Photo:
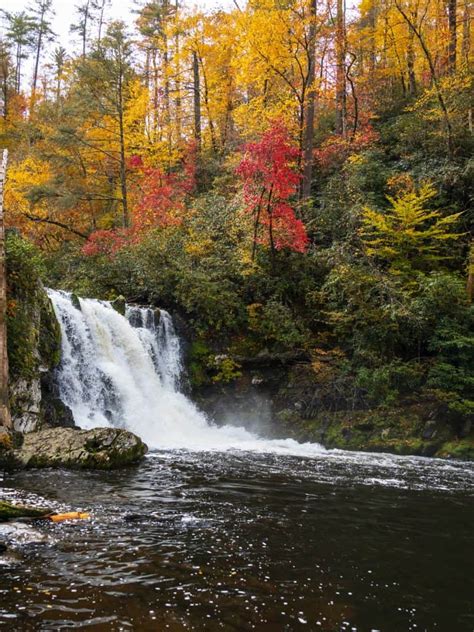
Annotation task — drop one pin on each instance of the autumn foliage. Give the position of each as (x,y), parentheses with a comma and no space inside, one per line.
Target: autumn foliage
(270,180)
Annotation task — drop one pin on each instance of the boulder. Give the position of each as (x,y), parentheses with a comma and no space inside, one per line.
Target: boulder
(100,448)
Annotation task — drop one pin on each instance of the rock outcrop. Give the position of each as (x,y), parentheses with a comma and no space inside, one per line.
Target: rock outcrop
(100,448)
(34,339)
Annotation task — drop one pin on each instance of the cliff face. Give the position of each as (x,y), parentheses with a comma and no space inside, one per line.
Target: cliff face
(34,342)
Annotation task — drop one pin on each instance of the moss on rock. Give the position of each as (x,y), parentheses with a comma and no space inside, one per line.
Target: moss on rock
(9,511)
(462,449)
(101,448)
(34,335)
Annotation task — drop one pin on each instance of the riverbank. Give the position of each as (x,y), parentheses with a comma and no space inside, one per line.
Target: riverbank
(300,401)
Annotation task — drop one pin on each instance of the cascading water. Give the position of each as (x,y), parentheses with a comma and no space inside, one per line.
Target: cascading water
(125,372)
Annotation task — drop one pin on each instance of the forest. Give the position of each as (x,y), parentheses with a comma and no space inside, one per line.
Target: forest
(293,178)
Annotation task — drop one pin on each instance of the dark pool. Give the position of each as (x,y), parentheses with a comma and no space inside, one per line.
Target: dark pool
(242,541)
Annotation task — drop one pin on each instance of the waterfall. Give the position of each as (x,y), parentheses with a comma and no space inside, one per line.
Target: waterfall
(126,372)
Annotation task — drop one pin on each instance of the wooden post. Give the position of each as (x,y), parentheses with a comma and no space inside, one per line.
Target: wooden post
(5,419)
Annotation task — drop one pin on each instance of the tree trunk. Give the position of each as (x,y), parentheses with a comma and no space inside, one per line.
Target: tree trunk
(101,23)
(39,46)
(84,32)
(197,102)
(308,132)
(466,33)
(411,62)
(123,165)
(177,82)
(5,419)
(340,69)
(452,45)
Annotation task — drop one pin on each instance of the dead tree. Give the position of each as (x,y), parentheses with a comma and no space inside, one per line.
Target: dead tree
(5,419)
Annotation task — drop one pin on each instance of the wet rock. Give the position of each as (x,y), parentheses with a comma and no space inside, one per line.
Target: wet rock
(7,458)
(100,448)
(429,430)
(18,533)
(75,301)
(54,410)
(119,304)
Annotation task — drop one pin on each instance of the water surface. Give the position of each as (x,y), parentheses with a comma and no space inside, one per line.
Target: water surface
(249,541)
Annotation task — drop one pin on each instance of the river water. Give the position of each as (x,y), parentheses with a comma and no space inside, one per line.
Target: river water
(248,541)
(220,529)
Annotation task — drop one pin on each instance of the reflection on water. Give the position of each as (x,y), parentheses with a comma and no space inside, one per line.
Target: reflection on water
(238,541)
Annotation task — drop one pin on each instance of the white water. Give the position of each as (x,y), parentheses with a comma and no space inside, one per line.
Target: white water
(126,371)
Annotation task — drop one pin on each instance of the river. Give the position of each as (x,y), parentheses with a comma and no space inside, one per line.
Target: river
(248,541)
(220,529)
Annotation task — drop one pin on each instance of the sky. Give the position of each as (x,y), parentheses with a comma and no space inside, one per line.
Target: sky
(120,9)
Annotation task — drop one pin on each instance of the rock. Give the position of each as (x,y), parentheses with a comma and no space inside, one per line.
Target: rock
(429,430)
(119,304)
(25,399)
(54,411)
(465,429)
(7,458)
(100,448)
(75,301)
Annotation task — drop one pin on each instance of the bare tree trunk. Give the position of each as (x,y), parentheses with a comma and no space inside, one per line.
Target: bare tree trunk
(466,33)
(411,62)
(43,29)
(123,164)
(101,22)
(177,82)
(197,102)
(308,132)
(5,419)
(84,32)
(453,35)
(340,69)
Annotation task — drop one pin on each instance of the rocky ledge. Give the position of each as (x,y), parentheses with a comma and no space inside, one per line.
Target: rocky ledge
(98,449)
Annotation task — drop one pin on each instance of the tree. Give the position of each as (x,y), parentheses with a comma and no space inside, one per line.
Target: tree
(107,77)
(409,236)
(42,33)
(340,45)
(84,12)
(269,180)
(60,58)
(19,31)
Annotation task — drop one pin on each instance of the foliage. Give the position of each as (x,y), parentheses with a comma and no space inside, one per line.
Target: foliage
(269,180)
(409,236)
(281,182)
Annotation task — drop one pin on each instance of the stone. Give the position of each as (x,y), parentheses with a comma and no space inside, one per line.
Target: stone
(429,430)
(54,411)
(465,429)
(119,304)
(75,301)
(100,448)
